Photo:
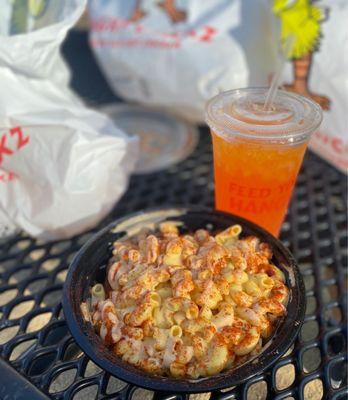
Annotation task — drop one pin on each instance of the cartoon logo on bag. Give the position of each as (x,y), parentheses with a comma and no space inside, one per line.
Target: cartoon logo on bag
(169,7)
(37,7)
(301,24)
(146,36)
(22,11)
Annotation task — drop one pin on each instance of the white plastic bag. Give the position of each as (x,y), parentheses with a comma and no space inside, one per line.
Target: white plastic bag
(62,166)
(177,54)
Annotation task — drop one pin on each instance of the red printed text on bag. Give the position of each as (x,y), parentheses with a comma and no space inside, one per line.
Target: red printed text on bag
(11,142)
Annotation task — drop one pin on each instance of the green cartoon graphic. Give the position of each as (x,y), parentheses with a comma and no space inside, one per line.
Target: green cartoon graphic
(301,23)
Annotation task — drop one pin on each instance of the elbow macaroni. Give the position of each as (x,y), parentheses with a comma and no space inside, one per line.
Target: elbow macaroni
(188,306)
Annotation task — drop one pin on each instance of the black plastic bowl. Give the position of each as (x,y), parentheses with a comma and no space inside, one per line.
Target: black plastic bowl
(89,267)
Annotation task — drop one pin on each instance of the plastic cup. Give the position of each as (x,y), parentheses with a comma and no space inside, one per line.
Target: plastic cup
(258,153)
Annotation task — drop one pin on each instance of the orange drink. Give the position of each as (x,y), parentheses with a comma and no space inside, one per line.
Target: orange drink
(258,153)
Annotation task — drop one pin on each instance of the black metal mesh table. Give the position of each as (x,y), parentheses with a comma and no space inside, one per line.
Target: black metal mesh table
(39,358)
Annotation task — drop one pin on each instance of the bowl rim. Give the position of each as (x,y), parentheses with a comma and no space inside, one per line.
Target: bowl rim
(137,377)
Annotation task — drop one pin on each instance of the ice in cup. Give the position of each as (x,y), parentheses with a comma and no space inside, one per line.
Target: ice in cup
(258,153)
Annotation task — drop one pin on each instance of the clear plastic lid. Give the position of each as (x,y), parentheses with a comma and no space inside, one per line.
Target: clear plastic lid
(241,112)
(164,139)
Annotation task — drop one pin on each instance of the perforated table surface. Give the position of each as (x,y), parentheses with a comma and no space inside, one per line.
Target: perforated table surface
(39,359)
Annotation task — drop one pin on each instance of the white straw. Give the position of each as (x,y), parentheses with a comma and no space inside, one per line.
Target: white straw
(272,91)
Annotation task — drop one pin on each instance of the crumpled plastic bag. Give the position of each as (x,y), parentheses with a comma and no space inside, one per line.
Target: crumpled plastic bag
(177,54)
(62,166)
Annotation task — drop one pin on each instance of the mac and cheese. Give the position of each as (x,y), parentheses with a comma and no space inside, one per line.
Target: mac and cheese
(188,305)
